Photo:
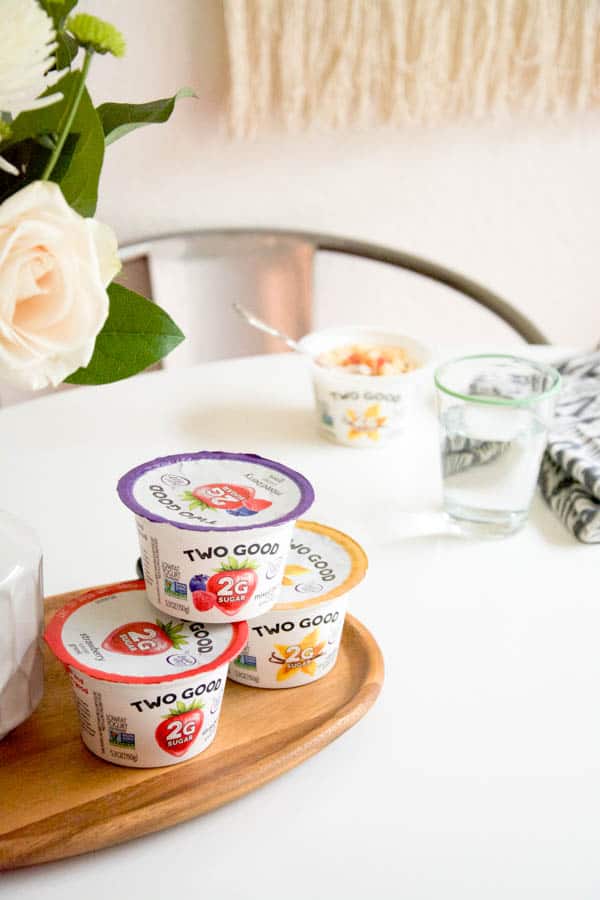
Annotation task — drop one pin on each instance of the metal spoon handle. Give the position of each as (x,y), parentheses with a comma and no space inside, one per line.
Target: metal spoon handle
(253,320)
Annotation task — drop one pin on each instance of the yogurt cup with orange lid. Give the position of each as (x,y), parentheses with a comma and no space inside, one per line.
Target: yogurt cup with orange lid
(297,641)
(214,529)
(148,688)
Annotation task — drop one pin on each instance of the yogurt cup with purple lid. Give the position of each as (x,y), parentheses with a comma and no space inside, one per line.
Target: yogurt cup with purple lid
(148,688)
(214,531)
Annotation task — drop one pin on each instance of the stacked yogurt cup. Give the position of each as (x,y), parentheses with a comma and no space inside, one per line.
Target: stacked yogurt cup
(234,583)
(214,531)
(297,640)
(148,689)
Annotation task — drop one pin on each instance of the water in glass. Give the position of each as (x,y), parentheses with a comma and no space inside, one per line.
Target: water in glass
(490,462)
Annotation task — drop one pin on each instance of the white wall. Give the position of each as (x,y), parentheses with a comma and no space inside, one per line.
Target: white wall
(515,207)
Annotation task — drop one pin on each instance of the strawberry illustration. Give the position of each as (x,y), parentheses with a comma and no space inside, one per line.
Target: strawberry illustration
(255,504)
(235,499)
(180,728)
(145,638)
(234,584)
(223,496)
(201,598)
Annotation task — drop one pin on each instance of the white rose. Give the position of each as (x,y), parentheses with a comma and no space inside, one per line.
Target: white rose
(54,270)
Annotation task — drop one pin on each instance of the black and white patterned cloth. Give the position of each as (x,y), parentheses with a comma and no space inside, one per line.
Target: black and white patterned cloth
(570,472)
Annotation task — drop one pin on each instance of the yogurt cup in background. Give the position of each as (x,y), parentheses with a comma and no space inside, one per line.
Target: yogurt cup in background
(297,641)
(362,410)
(148,688)
(214,530)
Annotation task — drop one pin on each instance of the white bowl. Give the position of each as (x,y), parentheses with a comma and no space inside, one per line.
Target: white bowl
(22,614)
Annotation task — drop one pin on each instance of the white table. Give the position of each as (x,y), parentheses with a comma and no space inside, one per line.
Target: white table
(476,775)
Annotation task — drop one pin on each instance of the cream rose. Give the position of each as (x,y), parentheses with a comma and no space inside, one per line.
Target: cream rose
(54,270)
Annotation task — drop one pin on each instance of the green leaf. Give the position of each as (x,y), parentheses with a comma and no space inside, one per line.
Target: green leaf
(232,565)
(194,502)
(58,10)
(47,119)
(118,119)
(136,334)
(80,163)
(67,49)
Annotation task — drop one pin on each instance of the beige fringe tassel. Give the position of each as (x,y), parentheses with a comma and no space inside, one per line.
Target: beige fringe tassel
(340,63)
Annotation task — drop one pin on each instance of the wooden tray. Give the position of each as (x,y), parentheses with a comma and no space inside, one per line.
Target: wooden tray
(58,799)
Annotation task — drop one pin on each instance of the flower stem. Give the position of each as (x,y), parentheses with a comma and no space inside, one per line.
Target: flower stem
(70,117)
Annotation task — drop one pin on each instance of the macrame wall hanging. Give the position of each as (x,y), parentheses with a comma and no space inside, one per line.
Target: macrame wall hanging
(335,64)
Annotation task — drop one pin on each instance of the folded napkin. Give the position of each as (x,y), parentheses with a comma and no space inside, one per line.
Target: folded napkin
(570,472)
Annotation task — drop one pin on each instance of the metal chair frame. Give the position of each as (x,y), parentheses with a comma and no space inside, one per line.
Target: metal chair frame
(378,252)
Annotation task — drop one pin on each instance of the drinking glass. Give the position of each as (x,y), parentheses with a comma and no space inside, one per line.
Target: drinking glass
(494,413)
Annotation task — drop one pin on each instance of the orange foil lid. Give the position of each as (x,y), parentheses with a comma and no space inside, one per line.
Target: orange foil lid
(322,564)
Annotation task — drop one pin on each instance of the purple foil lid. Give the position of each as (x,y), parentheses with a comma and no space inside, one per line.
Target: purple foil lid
(127,483)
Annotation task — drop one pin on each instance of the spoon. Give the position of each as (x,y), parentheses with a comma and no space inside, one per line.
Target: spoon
(253,320)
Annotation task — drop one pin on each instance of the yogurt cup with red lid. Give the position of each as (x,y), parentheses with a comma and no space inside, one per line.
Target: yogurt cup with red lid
(148,688)
(214,529)
(297,641)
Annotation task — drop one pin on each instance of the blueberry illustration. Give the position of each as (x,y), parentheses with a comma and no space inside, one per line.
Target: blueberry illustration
(198,582)
(242,511)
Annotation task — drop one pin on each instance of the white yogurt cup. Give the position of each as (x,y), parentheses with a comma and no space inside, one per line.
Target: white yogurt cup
(297,641)
(362,410)
(200,562)
(148,690)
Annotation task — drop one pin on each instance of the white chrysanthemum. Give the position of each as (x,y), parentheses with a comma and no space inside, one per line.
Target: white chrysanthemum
(26,49)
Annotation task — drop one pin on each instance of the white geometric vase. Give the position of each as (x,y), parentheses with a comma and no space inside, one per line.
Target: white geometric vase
(22,616)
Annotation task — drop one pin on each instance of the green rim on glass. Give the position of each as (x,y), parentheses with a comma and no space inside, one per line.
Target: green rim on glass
(548,371)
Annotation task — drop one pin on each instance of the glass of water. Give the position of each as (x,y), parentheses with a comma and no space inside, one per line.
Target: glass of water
(494,414)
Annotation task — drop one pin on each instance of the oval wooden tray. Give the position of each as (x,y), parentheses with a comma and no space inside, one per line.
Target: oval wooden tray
(59,800)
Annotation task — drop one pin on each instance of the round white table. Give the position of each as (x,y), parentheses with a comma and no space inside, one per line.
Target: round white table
(476,774)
